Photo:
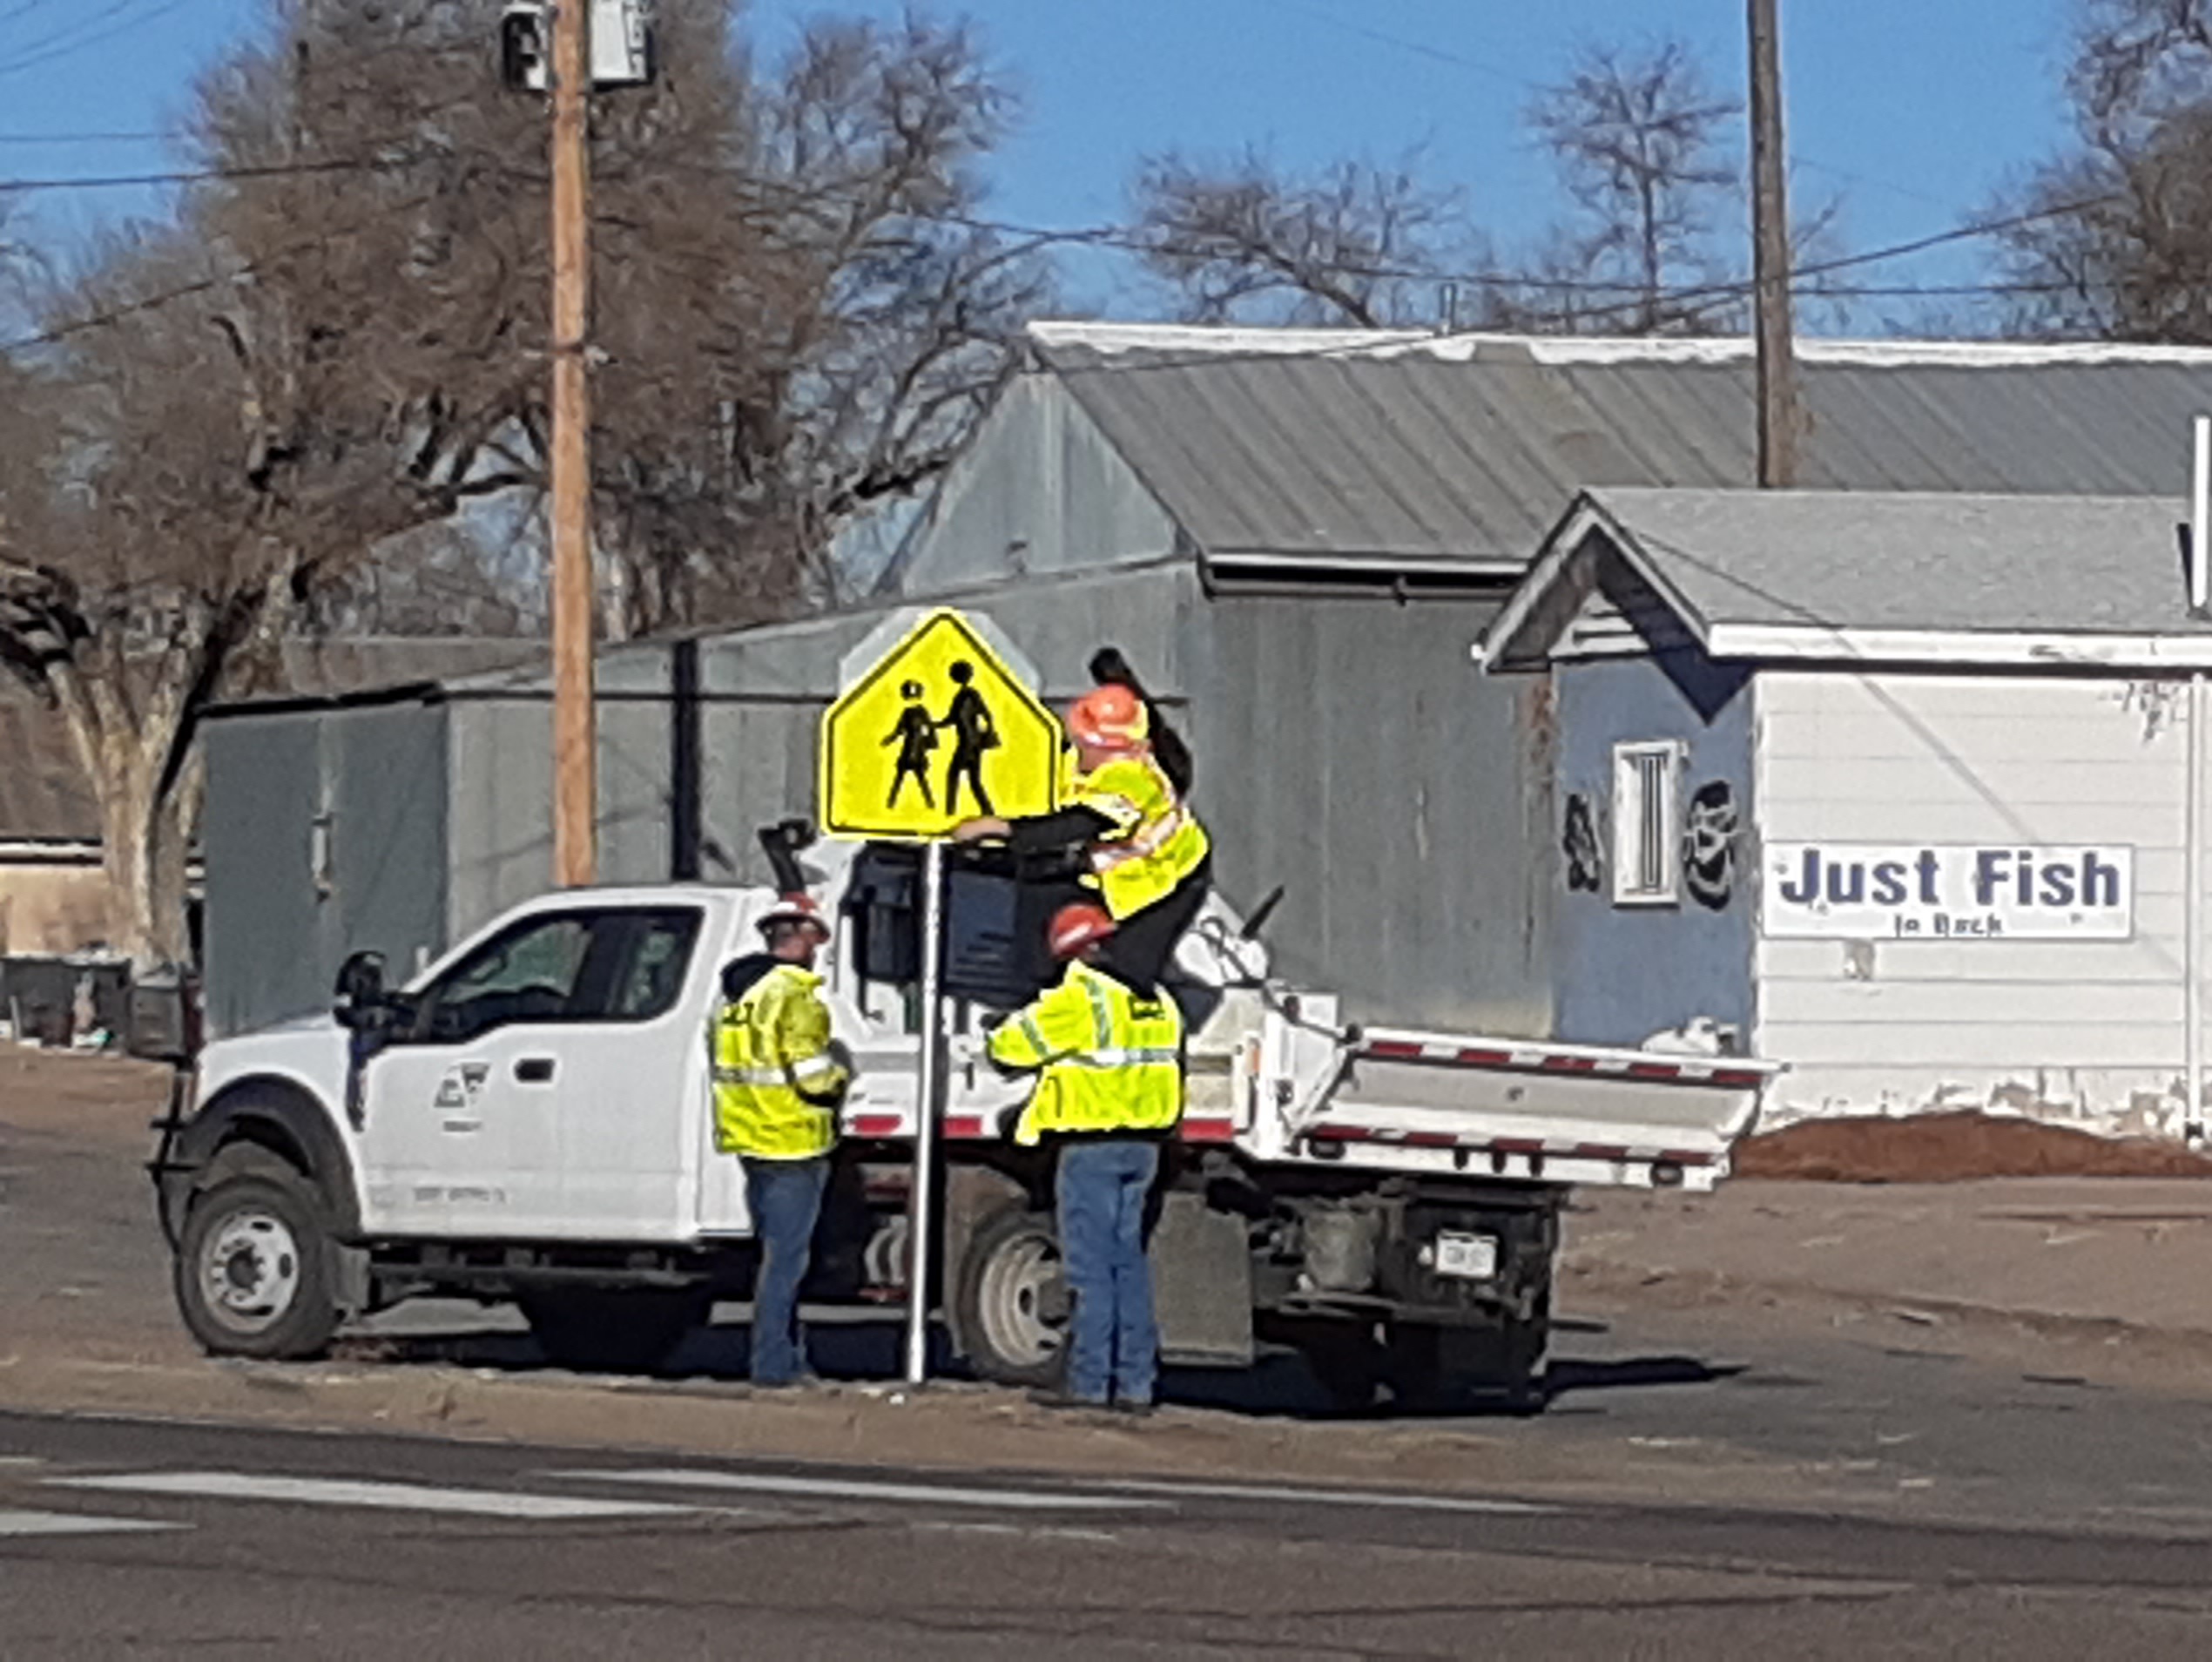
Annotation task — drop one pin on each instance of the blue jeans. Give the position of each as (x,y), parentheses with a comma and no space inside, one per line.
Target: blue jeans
(785,1200)
(1113,1344)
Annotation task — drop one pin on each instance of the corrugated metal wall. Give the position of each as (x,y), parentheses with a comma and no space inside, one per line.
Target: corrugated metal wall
(1349,749)
(277,928)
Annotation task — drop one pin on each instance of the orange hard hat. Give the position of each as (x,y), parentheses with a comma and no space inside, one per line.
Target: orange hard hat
(793,908)
(1076,927)
(1111,718)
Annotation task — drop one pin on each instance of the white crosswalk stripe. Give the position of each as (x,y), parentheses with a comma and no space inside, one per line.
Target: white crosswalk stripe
(1016,1500)
(412,1497)
(1383,1498)
(27,1524)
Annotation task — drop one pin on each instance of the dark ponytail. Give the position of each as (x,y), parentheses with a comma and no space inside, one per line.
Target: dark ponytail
(1110,668)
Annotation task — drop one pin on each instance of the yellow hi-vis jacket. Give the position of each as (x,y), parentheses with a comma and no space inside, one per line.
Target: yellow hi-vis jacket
(1156,842)
(1111,1059)
(777,1082)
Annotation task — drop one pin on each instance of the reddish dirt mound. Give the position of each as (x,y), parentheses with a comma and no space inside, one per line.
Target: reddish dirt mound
(1954,1148)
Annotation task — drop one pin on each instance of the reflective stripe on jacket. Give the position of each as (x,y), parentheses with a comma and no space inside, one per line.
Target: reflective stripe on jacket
(1156,842)
(777,1083)
(1110,1059)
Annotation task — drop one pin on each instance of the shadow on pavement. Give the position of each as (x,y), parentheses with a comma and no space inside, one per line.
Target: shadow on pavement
(1564,1378)
(868,1348)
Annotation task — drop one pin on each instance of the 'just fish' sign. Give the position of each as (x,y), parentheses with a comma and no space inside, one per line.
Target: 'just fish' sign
(1943,892)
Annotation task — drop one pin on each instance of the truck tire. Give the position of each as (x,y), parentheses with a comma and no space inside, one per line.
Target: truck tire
(255,1272)
(612,1330)
(1010,1310)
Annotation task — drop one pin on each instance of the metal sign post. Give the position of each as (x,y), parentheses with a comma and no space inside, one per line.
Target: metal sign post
(939,719)
(929,1089)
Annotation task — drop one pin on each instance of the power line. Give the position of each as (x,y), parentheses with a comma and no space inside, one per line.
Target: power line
(194,176)
(71,39)
(60,139)
(1681,301)
(111,315)
(1127,241)
(1442,54)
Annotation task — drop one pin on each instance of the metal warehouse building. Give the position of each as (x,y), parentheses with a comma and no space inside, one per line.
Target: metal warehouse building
(1295,537)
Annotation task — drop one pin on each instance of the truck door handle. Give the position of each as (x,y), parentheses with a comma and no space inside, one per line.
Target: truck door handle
(534,1070)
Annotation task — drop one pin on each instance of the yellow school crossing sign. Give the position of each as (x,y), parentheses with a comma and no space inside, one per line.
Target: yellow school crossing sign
(939,728)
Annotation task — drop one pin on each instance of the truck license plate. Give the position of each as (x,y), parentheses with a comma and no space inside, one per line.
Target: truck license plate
(1472,1258)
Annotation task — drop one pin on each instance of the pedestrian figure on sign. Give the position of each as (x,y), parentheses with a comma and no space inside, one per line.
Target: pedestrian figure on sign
(974,732)
(916,736)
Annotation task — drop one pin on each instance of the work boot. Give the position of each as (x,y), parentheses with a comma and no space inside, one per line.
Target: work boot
(795,1383)
(1056,1397)
(1135,1410)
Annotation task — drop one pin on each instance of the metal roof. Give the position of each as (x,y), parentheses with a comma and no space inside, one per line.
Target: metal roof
(1344,446)
(1902,577)
(44,796)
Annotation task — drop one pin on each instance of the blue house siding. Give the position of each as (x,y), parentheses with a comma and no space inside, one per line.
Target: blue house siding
(1624,972)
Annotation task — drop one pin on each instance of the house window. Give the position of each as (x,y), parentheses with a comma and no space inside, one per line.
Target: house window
(1647,821)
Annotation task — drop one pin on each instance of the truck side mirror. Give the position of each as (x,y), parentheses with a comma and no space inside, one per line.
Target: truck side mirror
(358,1000)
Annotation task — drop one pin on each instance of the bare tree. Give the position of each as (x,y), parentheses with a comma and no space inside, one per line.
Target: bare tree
(1639,137)
(341,342)
(2116,240)
(1359,244)
(840,355)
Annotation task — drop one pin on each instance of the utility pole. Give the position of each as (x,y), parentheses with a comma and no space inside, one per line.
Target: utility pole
(1778,364)
(574,761)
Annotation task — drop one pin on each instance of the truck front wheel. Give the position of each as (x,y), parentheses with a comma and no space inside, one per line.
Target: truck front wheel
(255,1271)
(1010,1307)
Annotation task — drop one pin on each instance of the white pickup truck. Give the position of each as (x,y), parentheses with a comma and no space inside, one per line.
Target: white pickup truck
(530,1119)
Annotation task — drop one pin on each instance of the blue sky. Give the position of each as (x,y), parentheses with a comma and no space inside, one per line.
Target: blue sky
(1916,111)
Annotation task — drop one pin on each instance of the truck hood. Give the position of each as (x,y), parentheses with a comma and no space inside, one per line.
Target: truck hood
(308,1050)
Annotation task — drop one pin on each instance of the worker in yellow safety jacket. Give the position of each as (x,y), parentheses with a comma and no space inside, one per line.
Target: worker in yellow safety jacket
(1108,1060)
(1148,857)
(778,1079)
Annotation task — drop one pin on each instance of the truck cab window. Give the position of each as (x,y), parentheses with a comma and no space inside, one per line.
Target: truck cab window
(653,961)
(528,973)
(583,966)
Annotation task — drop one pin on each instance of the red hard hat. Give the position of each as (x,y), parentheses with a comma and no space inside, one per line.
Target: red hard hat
(1112,718)
(793,908)
(1076,927)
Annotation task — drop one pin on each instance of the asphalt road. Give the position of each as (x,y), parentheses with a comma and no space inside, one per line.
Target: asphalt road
(134,1536)
(1893,1485)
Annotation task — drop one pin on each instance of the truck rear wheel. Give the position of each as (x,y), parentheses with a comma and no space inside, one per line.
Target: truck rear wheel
(612,1330)
(1009,1307)
(255,1270)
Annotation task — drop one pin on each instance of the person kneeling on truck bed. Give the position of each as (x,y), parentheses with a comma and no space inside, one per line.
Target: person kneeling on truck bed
(778,1079)
(1147,856)
(1110,1057)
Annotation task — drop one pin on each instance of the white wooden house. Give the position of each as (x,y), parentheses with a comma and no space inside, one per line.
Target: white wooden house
(1893,787)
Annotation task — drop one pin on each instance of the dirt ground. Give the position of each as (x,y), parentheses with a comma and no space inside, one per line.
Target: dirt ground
(1955,1148)
(87,1323)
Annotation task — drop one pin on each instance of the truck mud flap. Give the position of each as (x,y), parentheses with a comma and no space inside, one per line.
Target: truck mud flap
(1201,1285)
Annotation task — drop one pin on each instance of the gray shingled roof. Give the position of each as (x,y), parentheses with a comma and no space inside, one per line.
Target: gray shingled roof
(1935,577)
(1318,444)
(1958,562)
